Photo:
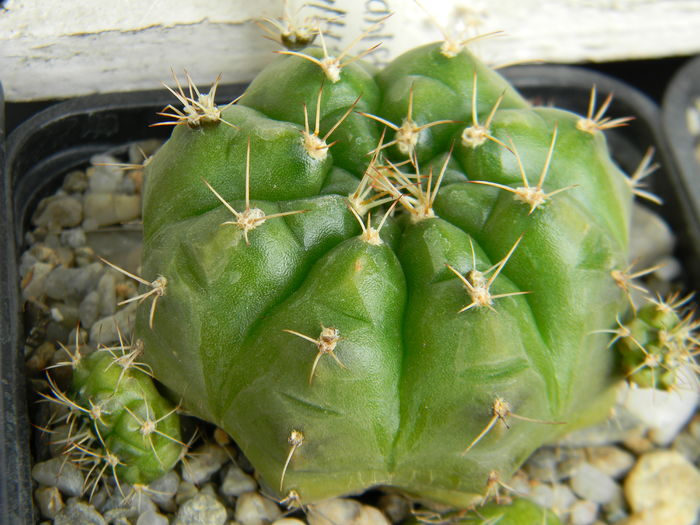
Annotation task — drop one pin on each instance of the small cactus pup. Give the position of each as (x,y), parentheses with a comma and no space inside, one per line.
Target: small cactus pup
(118,423)
(385,277)
(659,344)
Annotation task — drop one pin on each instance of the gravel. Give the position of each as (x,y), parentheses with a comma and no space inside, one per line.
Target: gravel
(59,473)
(202,509)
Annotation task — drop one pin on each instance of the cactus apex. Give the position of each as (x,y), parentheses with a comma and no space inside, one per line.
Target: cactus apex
(197,109)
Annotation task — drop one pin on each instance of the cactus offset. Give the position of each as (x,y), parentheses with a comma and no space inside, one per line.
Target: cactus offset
(119,423)
(432,347)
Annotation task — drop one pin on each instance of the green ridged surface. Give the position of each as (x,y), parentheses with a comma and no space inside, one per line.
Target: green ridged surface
(127,400)
(418,379)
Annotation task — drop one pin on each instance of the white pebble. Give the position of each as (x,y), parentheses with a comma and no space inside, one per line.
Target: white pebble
(105,332)
(651,238)
(204,462)
(253,509)
(104,178)
(59,211)
(151,518)
(665,412)
(34,289)
(162,490)
(346,511)
(203,509)
(59,473)
(611,460)
(106,209)
(49,501)
(583,513)
(237,482)
(590,483)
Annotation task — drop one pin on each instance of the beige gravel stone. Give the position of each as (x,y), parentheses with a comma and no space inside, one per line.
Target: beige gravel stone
(663,487)
(610,460)
(661,515)
(346,511)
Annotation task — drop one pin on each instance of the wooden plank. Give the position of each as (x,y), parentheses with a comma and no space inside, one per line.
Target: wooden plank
(72,47)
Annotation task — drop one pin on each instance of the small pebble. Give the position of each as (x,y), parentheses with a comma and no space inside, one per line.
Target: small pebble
(615,509)
(571,460)
(346,511)
(72,283)
(542,465)
(163,490)
(139,501)
(49,501)
(65,314)
(204,462)
(542,494)
(119,515)
(73,238)
(59,473)
(106,290)
(78,512)
(34,282)
(583,513)
(203,509)
(151,518)
(89,308)
(75,182)
(661,515)
(237,482)
(84,256)
(590,483)
(562,498)
(254,509)
(288,521)
(221,438)
(664,478)
(106,209)
(40,358)
(610,460)
(101,178)
(638,442)
(665,412)
(58,211)
(185,491)
(650,238)
(107,330)
(689,446)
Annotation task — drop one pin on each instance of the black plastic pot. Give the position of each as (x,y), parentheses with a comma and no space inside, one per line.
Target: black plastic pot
(681,100)
(65,136)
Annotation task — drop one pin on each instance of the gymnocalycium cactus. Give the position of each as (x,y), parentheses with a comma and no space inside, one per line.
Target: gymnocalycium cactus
(398,277)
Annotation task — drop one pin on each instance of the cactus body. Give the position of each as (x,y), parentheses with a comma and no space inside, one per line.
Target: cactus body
(120,423)
(445,350)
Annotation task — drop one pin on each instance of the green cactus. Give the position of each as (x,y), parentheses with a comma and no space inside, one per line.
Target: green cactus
(658,343)
(432,346)
(120,424)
